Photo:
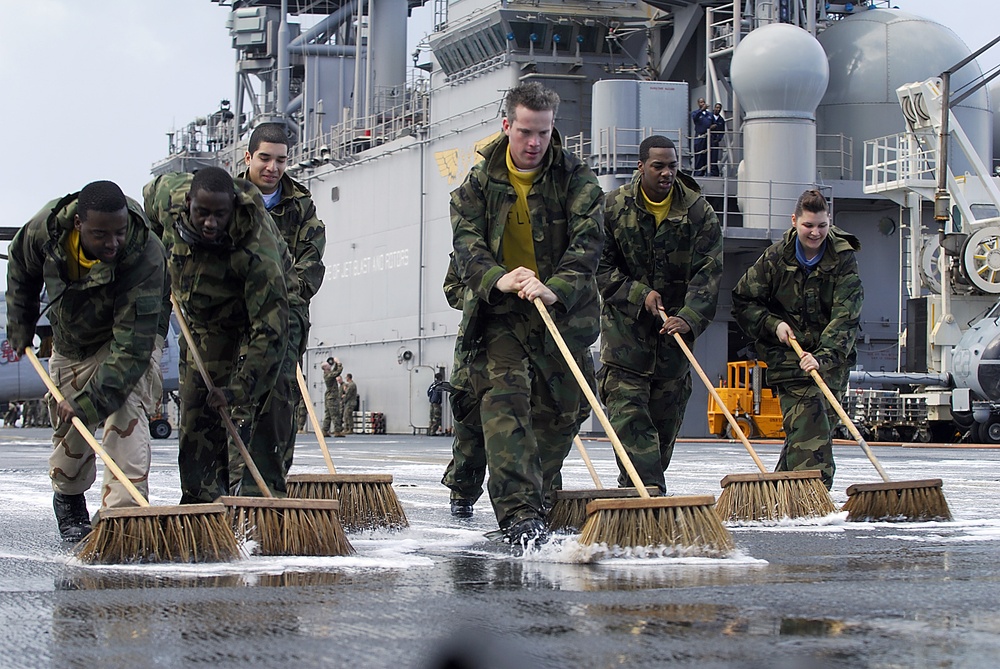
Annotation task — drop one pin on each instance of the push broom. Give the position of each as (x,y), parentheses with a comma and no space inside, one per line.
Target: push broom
(687,523)
(764,495)
(145,533)
(918,500)
(569,508)
(367,501)
(279,526)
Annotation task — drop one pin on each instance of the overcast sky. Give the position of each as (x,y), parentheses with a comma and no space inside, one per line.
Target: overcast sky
(90,88)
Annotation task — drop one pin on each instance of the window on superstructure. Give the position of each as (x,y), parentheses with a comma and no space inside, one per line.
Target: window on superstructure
(523,31)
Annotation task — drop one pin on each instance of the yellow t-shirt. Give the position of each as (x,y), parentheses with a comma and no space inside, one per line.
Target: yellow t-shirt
(659,210)
(77,264)
(518,243)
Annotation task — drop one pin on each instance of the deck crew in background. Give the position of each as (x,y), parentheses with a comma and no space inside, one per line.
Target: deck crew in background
(435,395)
(349,401)
(805,286)
(662,251)
(105,272)
(227,265)
(291,207)
(701,119)
(527,224)
(333,415)
(718,130)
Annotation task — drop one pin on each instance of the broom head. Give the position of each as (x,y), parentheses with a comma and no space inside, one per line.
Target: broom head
(772,496)
(183,533)
(367,501)
(569,508)
(903,501)
(288,526)
(688,525)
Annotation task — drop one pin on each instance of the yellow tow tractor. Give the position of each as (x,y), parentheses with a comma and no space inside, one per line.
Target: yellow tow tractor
(754,407)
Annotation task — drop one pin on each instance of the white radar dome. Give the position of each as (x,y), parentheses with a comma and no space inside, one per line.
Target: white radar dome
(779,70)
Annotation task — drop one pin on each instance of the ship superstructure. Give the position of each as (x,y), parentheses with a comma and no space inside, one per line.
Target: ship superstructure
(803,85)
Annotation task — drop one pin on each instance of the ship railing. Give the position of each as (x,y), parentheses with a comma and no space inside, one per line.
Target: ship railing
(898,162)
(351,136)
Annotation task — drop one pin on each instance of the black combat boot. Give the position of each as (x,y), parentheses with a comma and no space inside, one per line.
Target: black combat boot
(462,507)
(71,516)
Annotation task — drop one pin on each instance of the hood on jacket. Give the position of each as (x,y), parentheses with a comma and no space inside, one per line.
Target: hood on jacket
(684,185)
(495,154)
(837,241)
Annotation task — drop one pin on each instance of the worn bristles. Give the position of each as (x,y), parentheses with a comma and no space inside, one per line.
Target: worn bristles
(291,531)
(567,514)
(774,499)
(162,538)
(367,501)
(914,504)
(689,530)
(369,506)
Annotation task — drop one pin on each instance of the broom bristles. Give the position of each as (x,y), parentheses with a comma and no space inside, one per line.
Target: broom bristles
(189,533)
(772,496)
(367,501)
(898,501)
(569,508)
(289,527)
(687,525)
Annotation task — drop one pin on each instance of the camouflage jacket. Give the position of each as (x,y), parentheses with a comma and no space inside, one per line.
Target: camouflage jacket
(349,391)
(125,302)
(330,379)
(681,259)
(823,308)
(565,206)
(304,234)
(236,289)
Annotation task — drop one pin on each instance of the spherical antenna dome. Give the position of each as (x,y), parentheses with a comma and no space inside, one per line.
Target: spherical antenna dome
(871,54)
(779,69)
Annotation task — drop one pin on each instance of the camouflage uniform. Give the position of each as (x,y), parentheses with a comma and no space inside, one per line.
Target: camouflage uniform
(333,413)
(466,470)
(305,236)
(646,379)
(823,308)
(108,330)
(348,399)
(230,292)
(529,399)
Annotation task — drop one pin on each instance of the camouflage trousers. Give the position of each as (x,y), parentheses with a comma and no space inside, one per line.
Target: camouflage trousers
(333,414)
(529,407)
(808,421)
(203,455)
(435,419)
(301,415)
(126,431)
(467,469)
(646,413)
(272,423)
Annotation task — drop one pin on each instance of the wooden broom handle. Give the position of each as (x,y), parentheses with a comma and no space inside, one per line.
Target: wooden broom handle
(226,418)
(82,429)
(594,404)
(586,460)
(737,430)
(304,390)
(840,411)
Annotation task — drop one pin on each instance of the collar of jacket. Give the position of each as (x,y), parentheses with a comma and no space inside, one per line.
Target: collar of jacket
(686,192)
(495,154)
(62,220)
(837,241)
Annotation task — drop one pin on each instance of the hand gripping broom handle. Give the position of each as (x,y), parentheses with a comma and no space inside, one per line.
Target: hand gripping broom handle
(840,411)
(737,430)
(586,460)
(594,404)
(226,418)
(82,429)
(304,390)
